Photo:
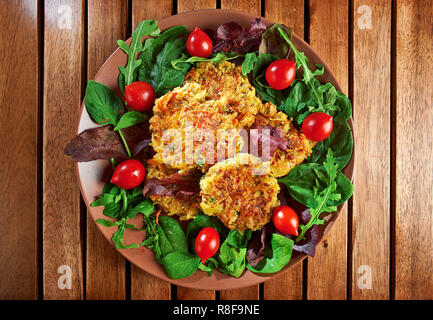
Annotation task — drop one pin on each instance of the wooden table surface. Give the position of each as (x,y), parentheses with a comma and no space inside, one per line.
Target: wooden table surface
(381,247)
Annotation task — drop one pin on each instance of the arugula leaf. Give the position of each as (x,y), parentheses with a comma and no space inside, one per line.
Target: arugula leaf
(276,257)
(129,73)
(180,264)
(248,63)
(102,104)
(130,119)
(320,187)
(122,204)
(217,58)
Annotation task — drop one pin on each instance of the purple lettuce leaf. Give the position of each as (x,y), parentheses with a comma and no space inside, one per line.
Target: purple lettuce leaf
(104,143)
(273,137)
(183,186)
(231,36)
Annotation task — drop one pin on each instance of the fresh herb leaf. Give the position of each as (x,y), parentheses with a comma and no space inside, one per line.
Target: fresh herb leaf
(102,104)
(130,119)
(180,264)
(129,73)
(248,63)
(276,257)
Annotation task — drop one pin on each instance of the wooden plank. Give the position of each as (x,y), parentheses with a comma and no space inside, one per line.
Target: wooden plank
(329,37)
(287,286)
(143,285)
(63,63)
(251,7)
(371,102)
(186,293)
(105,267)
(414,150)
(19,140)
(189,5)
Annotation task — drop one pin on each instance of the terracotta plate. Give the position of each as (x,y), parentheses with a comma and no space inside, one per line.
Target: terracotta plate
(93,175)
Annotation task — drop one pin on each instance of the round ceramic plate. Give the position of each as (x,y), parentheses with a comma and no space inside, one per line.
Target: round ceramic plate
(93,175)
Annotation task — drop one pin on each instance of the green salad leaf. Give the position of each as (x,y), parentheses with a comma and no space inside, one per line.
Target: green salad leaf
(129,73)
(248,63)
(216,58)
(276,257)
(179,264)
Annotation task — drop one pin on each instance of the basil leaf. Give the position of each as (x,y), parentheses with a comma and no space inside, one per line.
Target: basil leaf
(180,264)
(102,104)
(130,119)
(276,257)
(130,72)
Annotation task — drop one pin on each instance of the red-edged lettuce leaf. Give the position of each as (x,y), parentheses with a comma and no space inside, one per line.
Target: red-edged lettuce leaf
(231,36)
(183,186)
(273,137)
(104,143)
(273,43)
(256,246)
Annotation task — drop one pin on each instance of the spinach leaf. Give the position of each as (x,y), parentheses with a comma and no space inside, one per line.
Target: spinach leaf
(102,104)
(157,69)
(171,236)
(248,63)
(130,119)
(129,73)
(202,221)
(180,264)
(276,257)
(340,141)
(231,258)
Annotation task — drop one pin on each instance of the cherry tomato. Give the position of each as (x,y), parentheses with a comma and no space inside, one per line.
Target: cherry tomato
(199,43)
(285,220)
(207,243)
(280,74)
(317,126)
(128,174)
(140,95)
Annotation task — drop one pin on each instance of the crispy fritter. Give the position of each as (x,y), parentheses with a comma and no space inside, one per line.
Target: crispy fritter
(214,96)
(186,210)
(238,193)
(299,147)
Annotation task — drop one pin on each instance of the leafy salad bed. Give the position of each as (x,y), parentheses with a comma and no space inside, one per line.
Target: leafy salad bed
(163,61)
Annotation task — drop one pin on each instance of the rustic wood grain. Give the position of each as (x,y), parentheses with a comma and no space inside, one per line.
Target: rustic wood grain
(190,5)
(143,285)
(105,267)
(186,293)
(287,286)
(414,150)
(329,37)
(251,7)
(63,64)
(371,103)
(288,12)
(19,149)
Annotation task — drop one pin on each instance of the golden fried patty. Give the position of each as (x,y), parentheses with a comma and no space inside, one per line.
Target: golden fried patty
(186,210)
(236,191)
(214,96)
(299,147)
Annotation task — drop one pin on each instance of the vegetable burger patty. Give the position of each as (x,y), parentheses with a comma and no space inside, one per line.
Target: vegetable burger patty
(236,192)
(214,96)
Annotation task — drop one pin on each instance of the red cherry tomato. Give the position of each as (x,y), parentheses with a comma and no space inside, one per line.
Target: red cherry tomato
(128,174)
(207,243)
(280,74)
(285,220)
(317,126)
(199,44)
(140,95)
